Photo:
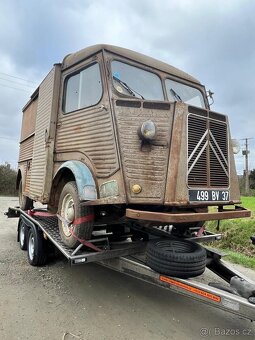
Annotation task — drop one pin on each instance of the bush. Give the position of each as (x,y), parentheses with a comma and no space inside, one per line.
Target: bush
(8,181)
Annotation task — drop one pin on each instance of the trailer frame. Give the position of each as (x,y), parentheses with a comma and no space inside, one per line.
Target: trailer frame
(237,296)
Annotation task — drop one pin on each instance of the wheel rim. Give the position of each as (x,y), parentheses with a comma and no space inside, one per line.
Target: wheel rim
(22,234)
(67,212)
(31,247)
(176,246)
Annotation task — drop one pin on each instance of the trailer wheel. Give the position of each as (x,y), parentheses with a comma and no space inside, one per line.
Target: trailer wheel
(80,217)
(179,258)
(22,235)
(36,248)
(25,203)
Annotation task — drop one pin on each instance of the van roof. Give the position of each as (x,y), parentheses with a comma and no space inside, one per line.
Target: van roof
(74,58)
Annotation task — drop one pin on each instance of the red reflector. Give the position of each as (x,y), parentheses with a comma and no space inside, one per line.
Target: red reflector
(191,289)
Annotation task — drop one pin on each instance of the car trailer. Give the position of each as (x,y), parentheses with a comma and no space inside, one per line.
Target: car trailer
(236,295)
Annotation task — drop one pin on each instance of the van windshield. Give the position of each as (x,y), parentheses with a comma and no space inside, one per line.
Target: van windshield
(136,82)
(184,93)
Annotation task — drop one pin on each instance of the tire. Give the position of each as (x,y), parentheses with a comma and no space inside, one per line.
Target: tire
(22,235)
(25,203)
(36,251)
(70,209)
(179,258)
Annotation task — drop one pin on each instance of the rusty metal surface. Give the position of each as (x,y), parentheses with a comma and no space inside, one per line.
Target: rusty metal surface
(176,188)
(208,160)
(74,58)
(26,149)
(28,119)
(25,168)
(28,178)
(144,165)
(90,132)
(211,171)
(105,138)
(186,217)
(42,163)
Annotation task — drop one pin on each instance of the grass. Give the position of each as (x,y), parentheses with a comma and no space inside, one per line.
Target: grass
(249,203)
(244,260)
(236,236)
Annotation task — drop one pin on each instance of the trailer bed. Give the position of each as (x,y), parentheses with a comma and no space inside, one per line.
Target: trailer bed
(130,258)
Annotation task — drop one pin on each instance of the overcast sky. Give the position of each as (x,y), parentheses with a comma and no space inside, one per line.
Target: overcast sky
(212,40)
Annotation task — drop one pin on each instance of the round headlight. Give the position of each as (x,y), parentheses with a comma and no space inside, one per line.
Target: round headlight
(147,130)
(235,146)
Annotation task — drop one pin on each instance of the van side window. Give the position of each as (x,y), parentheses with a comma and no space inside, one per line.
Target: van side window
(83,89)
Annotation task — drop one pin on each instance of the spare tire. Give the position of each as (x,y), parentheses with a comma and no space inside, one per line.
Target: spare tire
(179,258)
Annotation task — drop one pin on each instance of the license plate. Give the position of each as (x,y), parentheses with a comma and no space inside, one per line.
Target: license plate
(209,195)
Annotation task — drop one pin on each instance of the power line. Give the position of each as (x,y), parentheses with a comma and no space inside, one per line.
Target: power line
(9,75)
(16,82)
(15,88)
(1,137)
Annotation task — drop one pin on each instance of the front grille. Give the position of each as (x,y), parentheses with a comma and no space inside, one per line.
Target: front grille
(207,152)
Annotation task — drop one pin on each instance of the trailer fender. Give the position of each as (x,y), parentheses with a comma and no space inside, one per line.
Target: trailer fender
(84,180)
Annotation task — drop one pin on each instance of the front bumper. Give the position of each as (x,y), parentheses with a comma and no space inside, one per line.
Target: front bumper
(221,214)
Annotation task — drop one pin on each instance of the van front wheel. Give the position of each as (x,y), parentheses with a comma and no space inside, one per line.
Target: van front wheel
(77,221)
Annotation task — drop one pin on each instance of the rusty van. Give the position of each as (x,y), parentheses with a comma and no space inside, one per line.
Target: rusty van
(115,139)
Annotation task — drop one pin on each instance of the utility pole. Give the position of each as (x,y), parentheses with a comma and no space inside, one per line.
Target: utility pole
(245,153)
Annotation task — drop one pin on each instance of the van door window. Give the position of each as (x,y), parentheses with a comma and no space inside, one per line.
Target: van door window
(83,89)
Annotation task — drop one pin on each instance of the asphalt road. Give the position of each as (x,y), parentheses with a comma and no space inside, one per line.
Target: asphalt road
(93,302)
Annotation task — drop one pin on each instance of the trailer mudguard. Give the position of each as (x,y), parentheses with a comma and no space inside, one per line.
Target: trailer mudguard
(85,182)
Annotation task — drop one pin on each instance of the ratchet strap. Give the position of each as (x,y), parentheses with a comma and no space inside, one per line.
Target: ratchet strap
(76,222)
(83,219)
(84,242)
(200,231)
(40,213)
(71,227)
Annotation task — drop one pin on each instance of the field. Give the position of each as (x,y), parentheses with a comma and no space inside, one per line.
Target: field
(236,236)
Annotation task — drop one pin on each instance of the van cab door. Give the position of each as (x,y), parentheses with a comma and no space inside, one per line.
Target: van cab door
(85,129)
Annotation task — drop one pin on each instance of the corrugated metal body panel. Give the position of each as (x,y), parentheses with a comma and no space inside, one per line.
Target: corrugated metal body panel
(25,168)
(90,132)
(28,120)
(28,179)
(43,118)
(26,149)
(146,166)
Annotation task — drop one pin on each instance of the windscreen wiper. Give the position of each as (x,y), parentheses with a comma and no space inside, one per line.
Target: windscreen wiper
(127,87)
(176,96)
